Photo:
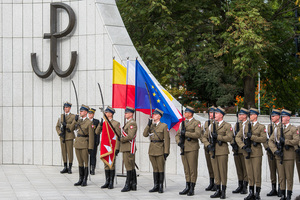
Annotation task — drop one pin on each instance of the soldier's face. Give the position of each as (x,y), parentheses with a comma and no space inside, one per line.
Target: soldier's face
(218,116)
(156,117)
(67,109)
(188,115)
(286,119)
(91,115)
(242,117)
(275,118)
(128,115)
(253,117)
(109,114)
(211,115)
(83,113)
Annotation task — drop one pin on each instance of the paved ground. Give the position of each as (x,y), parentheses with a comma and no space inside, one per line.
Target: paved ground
(45,182)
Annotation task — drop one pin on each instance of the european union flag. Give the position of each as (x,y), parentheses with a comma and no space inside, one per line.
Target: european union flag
(156,94)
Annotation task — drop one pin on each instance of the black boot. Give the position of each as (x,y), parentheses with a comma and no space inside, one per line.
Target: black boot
(65,169)
(257,194)
(223,192)
(214,188)
(106,179)
(282,195)
(86,173)
(70,168)
(111,179)
(155,180)
(161,182)
(211,184)
(92,172)
(192,188)
(251,194)
(186,189)
(128,182)
(279,191)
(134,180)
(289,195)
(273,192)
(217,194)
(81,175)
(239,188)
(245,186)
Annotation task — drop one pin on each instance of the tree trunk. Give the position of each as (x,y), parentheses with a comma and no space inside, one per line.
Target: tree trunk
(249,92)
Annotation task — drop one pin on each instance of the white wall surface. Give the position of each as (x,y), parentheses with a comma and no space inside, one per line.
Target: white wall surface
(30,106)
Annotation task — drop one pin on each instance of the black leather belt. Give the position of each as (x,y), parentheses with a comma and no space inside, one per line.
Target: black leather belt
(78,135)
(154,141)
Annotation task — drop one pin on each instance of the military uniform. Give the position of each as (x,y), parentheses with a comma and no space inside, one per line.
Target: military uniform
(84,143)
(211,186)
(93,160)
(240,166)
(127,147)
(298,156)
(67,143)
(110,172)
(159,149)
(286,169)
(271,157)
(219,151)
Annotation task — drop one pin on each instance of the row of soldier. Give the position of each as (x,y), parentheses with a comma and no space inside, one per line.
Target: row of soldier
(247,140)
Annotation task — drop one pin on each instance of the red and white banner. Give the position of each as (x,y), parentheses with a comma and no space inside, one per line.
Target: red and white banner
(108,144)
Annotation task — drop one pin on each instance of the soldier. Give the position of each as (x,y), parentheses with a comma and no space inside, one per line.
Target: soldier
(298,156)
(66,137)
(159,148)
(219,151)
(238,156)
(275,115)
(191,150)
(84,143)
(288,136)
(211,186)
(95,123)
(110,172)
(127,147)
(256,135)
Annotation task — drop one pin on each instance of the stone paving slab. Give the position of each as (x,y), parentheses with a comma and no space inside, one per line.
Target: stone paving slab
(45,182)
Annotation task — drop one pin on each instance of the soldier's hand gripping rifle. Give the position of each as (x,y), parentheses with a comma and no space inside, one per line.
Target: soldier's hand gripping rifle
(280,143)
(234,144)
(182,134)
(214,138)
(63,128)
(247,140)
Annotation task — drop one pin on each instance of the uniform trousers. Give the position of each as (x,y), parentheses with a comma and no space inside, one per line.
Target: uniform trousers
(129,160)
(286,174)
(240,166)
(273,168)
(208,163)
(158,163)
(190,164)
(67,150)
(220,167)
(253,167)
(82,157)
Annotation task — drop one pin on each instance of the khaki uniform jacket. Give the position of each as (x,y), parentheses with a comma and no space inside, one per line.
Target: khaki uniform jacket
(258,135)
(84,127)
(117,128)
(161,133)
(291,138)
(225,135)
(240,127)
(69,119)
(204,128)
(192,133)
(130,128)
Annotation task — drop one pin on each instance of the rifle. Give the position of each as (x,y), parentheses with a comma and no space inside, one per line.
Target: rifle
(247,140)
(214,140)
(63,129)
(271,132)
(234,144)
(182,134)
(208,124)
(280,144)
